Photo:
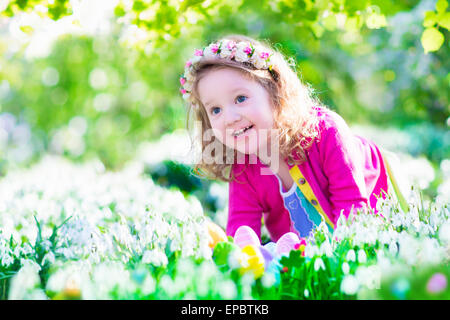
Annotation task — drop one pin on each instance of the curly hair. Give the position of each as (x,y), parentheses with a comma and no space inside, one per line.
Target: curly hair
(293,104)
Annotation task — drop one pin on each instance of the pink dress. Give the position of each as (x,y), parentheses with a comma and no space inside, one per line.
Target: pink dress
(343,170)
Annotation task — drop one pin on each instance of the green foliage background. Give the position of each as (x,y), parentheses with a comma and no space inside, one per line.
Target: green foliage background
(381,63)
(365,59)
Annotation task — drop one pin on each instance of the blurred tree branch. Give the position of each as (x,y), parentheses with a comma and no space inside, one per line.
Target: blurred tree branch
(168,19)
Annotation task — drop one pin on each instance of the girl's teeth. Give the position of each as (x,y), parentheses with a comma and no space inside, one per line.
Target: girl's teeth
(237,133)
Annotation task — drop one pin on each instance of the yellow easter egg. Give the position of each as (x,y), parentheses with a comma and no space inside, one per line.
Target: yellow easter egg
(216,234)
(71,291)
(251,260)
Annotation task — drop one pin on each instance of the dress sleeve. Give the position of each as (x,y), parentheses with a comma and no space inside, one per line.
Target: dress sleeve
(343,165)
(244,207)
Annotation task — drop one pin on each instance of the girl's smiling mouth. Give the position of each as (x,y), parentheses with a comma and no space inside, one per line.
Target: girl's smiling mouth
(240,132)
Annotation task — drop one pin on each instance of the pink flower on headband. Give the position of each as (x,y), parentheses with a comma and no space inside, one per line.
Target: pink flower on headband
(241,51)
(264,55)
(231,45)
(215,48)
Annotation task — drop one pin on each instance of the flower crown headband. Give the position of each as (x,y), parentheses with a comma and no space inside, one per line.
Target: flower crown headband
(226,49)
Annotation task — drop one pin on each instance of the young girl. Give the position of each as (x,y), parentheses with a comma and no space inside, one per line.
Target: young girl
(248,98)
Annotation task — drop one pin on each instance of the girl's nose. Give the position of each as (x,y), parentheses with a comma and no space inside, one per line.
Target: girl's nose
(232,115)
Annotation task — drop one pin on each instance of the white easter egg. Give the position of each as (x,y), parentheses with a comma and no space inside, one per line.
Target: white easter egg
(244,236)
(286,243)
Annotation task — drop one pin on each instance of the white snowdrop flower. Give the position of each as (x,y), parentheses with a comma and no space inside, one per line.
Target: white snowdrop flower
(311,250)
(155,257)
(425,230)
(444,232)
(408,249)
(6,260)
(181,283)
(349,285)
(25,282)
(247,281)
(185,267)
(421,171)
(268,280)
(166,284)
(351,255)
(396,220)
(318,264)
(8,227)
(110,276)
(345,268)
(383,237)
(434,221)
(122,233)
(202,288)
(416,225)
(70,276)
(341,221)
(48,258)
(306,293)
(148,286)
(46,245)
(431,252)
(30,264)
(206,271)
(369,276)
(233,260)
(228,288)
(204,251)
(362,257)
(325,249)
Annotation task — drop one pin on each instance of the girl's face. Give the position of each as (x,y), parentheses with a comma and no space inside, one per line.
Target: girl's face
(238,108)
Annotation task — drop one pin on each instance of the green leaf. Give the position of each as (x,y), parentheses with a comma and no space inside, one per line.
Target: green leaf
(430,19)
(441,6)
(22,3)
(27,29)
(139,6)
(376,21)
(119,11)
(221,252)
(353,23)
(432,39)
(329,22)
(317,29)
(444,21)
(295,259)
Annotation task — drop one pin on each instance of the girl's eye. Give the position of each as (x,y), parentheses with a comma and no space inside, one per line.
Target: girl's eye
(241,99)
(215,110)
